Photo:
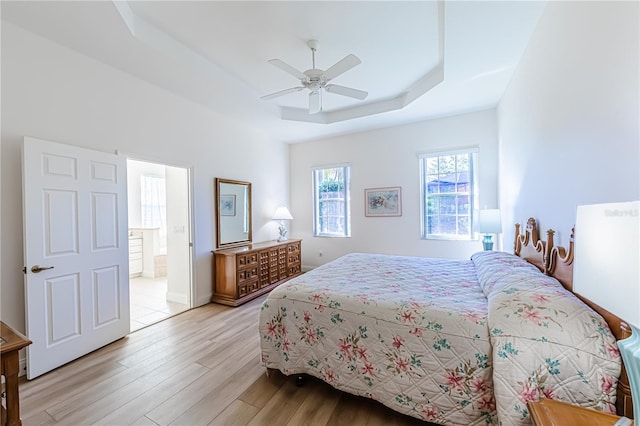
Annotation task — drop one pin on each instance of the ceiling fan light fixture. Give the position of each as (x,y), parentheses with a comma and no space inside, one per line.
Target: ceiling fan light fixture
(315,102)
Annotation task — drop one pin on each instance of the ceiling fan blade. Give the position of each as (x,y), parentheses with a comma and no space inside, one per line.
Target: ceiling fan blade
(346,91)
(281,93)
(288,69)
(343,65)
(315,103)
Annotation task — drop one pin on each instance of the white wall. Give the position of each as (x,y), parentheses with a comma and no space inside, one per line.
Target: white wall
(389,157)
(178,262)
(568,122)
(54,93)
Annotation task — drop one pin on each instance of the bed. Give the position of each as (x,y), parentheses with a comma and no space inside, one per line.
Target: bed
(447,341)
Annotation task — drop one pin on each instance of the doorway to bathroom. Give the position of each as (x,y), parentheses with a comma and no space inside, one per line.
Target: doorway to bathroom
(160,283)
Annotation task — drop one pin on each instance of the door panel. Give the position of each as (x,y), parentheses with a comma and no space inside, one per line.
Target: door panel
(61,216)
(63,308)
(59,166)
(105,223)
(106,290)
(104,172)
(75,227)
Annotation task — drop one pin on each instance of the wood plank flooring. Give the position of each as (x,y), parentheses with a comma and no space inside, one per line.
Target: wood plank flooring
(200,367)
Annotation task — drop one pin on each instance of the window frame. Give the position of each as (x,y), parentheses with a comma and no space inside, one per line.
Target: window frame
(347,201)
(473,193)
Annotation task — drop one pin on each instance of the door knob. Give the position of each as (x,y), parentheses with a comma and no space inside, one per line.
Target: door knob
(37,268)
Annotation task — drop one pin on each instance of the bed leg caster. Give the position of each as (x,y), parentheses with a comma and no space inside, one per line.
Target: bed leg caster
(300,381)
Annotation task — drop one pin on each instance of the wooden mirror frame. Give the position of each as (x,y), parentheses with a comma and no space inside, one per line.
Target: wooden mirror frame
(220,241)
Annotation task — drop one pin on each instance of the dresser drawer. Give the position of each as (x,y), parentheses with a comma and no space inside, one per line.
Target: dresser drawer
(135,246)
(295,269)
(247,274)
(294,247)
(248,288)
(247,259)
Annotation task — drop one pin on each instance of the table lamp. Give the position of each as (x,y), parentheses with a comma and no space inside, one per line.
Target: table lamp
(489,223)
(607,272)
(282,214)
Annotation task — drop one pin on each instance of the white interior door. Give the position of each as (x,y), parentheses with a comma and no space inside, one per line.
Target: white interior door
(75,251)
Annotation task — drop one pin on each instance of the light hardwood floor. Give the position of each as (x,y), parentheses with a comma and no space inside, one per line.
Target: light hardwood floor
(200,367)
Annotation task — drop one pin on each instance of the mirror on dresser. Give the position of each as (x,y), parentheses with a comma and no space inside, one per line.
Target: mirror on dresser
(233,212)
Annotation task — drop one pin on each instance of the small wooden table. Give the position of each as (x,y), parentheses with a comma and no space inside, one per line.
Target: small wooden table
(548,412)
(10,343)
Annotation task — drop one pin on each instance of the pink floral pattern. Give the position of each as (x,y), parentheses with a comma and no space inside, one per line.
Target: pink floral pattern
(448,341)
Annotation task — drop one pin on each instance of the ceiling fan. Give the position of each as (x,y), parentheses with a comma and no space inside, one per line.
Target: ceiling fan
(315,79)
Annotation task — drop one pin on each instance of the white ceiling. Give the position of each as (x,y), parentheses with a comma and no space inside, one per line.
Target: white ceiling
(215,53)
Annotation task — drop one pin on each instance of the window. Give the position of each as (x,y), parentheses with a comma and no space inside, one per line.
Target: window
(331,210)
(449,194)
(153,198)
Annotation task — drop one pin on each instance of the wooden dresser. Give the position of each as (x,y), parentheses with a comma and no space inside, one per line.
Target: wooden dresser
(11,342)
(244,273)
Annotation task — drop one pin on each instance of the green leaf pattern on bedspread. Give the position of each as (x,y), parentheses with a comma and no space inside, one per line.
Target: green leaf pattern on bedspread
(414,334)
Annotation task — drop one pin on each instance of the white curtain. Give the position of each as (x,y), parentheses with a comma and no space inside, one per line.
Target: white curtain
(153,197)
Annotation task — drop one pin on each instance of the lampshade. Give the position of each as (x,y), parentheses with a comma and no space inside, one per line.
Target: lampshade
(490,222)
(282,213)
(607,257)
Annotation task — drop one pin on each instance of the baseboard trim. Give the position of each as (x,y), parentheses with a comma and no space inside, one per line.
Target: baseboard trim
(173,296)
(23,365)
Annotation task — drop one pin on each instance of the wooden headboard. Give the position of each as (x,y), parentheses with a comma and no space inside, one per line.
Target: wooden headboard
(528,245)
(557,262)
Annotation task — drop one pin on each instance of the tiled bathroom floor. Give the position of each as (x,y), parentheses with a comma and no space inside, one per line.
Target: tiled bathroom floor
(148,302)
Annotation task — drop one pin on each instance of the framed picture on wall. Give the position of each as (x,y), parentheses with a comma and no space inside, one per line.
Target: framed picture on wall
(383,201)
(227,205)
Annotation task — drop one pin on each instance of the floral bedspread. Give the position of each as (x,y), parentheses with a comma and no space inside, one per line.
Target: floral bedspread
(546,342)
(448,341)
(409,332)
